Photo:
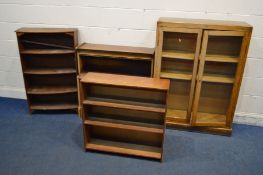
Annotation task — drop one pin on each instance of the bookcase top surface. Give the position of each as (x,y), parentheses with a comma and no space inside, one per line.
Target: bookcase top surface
(115,48)
(45,30)
(126,81)
(206,23)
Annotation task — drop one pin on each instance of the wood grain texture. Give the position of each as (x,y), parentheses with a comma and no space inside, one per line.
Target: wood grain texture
(204,24)
(45,30)
(114,48)
(126,81)
(124,148)
(123,105)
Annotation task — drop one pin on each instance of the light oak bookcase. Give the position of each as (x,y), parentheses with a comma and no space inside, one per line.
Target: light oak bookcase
(205,60)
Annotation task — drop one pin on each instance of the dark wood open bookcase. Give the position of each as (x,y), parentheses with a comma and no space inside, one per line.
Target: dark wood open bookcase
(204,59)
(48,62)
(123,114)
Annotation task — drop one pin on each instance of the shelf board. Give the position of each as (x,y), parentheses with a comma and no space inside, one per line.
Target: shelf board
(124,104)
(126,81)
(51,90)
(47,51)
(50,71)
(118,55)
(178,55)
(46,44)
(173,115)
(122,125)
(53,106)
(209,119)
(221,58)
(176,75)
(124,148)
(215,78)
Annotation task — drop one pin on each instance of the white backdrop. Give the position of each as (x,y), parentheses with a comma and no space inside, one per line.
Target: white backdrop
(132,23)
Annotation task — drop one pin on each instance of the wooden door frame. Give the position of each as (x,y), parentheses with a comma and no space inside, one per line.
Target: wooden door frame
(238,74)
(158,58)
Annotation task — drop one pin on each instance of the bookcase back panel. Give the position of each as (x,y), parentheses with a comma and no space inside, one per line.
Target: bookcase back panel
(101,112)
(178,97)
(176,65)
(215,98)
(116,65)
(68,98)
(219,68)
(184,42)
(54,80)
(123,135)
(46,41)
(224,45)
(49,61)
(129,94)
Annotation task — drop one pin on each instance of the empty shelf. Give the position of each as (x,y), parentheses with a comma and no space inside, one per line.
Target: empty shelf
(51,90)
(47,51)
(176,115)
(50,71)
(221,58)
(46,44)
(124,104)
(176,75)
(208,119)
(218,78)
(123,125)
(124,148)
(178,55)
(53,106)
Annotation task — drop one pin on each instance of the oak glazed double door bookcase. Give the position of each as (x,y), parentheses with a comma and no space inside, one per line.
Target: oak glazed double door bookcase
(204,59)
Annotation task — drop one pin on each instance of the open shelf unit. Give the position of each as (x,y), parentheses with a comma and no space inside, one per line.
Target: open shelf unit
(115,59)
(121,116)
(205,61)
(48,62)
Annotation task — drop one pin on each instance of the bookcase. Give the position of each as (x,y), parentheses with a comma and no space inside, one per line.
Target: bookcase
(48,62)
(204,59)
(121,116)
(115,59)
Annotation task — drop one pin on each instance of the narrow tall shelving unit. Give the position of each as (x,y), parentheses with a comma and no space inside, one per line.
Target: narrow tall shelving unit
(205,60)
(48,62)
(121,116)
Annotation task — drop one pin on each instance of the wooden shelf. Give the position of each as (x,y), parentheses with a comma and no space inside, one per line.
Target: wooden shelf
(47,51)
(176,115)
(124,148)
(221,58)
(178,55)
(125,60)
(206,119)
(46,44)
(50,71)
(132,122)
(215,78)
(118,80)
(53,106)
(176,75)
(51,90)
(136,126)
(125,104)
(48,63)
